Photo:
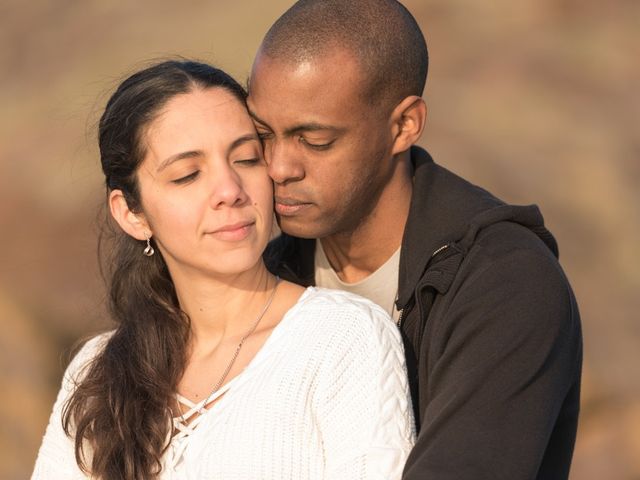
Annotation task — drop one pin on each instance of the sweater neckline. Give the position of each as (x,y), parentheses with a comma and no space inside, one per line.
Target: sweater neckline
(263,351)
(180,442)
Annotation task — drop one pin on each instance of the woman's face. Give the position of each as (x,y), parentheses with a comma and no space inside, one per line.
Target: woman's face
(206,196)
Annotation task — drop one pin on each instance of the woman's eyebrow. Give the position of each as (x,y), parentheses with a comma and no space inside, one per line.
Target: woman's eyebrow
(241,141)
(198,153)
(178,156)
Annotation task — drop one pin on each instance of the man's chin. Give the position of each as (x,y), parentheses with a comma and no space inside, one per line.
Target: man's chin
(298,227)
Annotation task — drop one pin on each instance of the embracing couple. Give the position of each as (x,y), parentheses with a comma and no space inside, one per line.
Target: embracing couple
(403,323)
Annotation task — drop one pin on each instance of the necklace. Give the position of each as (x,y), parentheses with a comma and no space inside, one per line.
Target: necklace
(235,354)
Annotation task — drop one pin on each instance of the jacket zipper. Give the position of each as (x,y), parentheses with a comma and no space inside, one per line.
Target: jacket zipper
(401,317)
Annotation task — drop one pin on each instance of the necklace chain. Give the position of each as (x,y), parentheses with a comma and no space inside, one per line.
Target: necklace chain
(235,354)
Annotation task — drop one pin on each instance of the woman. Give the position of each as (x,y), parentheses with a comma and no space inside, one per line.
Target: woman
(217,369)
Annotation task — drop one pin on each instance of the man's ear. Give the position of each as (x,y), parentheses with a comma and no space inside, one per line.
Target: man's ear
(133,224)
(408,120)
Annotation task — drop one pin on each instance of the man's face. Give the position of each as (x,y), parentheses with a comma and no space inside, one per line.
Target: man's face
(328,151)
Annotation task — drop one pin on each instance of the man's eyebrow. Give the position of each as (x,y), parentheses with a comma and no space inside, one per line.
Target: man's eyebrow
(178,156)
(304,127)
(311,127)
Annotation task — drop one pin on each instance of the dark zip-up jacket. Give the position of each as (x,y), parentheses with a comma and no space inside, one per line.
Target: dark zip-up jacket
(491,329)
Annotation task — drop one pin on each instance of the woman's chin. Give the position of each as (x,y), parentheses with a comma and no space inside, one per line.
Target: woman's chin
(236,262)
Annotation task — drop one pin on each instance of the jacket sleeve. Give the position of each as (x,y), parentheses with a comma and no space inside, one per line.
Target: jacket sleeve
(502,362)
(362,405)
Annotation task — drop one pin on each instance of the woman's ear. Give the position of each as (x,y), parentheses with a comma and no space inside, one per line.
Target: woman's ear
(134,224)
(408,119)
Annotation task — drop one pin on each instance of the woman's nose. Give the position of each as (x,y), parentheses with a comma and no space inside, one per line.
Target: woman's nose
(227,189)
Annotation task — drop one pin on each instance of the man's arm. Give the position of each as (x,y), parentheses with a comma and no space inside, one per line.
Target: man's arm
(503,376)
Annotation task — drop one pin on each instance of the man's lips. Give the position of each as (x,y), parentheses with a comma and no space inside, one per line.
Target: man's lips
(233,231)
(289,206)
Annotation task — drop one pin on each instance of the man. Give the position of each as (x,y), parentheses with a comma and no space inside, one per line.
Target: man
(491,328)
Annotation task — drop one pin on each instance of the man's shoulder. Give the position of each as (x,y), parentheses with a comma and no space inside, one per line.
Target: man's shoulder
(454,225)
(509,269)
(508,239)
(511,258)
(443,205)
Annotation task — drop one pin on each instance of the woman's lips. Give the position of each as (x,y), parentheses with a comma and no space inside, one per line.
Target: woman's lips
(234,232)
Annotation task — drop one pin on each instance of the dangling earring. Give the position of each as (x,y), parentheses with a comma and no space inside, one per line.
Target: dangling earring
(148,251)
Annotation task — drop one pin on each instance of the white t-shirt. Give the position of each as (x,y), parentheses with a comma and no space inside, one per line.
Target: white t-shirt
(381,287)
(326,397)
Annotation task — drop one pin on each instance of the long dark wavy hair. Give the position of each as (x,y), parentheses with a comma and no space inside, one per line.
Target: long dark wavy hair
(121,407)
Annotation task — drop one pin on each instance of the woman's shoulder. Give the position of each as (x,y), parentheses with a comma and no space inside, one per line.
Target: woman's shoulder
(85,354)
(330,311)
(340,299)
(348,337)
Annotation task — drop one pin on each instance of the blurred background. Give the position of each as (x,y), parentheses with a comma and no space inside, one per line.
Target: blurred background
(536,100)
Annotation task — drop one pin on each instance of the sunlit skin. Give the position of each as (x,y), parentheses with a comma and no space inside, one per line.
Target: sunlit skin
(208,202)
(340,165)
(204,190)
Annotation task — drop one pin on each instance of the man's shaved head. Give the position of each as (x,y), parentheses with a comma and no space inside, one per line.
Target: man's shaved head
(381,34)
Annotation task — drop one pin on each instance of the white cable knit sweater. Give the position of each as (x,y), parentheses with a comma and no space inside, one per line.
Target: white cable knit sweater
(325,398)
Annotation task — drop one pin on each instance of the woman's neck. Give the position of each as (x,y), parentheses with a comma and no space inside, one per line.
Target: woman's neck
(222,307)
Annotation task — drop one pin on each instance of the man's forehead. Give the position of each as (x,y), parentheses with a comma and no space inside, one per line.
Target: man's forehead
(302,68)
(309,92)
(275,73)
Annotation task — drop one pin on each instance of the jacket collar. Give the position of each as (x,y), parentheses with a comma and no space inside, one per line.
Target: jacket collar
(447,210)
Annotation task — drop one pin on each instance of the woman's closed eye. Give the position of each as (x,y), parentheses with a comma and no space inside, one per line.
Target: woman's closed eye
(186,179)
(248,161)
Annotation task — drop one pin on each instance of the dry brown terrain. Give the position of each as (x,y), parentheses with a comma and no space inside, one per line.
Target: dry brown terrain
(537,100)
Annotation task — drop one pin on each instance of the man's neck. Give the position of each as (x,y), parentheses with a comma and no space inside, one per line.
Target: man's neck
(356,254)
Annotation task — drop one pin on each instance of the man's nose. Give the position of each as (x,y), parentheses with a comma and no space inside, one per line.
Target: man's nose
(284,162)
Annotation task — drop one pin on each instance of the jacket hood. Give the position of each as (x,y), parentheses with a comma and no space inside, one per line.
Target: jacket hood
(446,211)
